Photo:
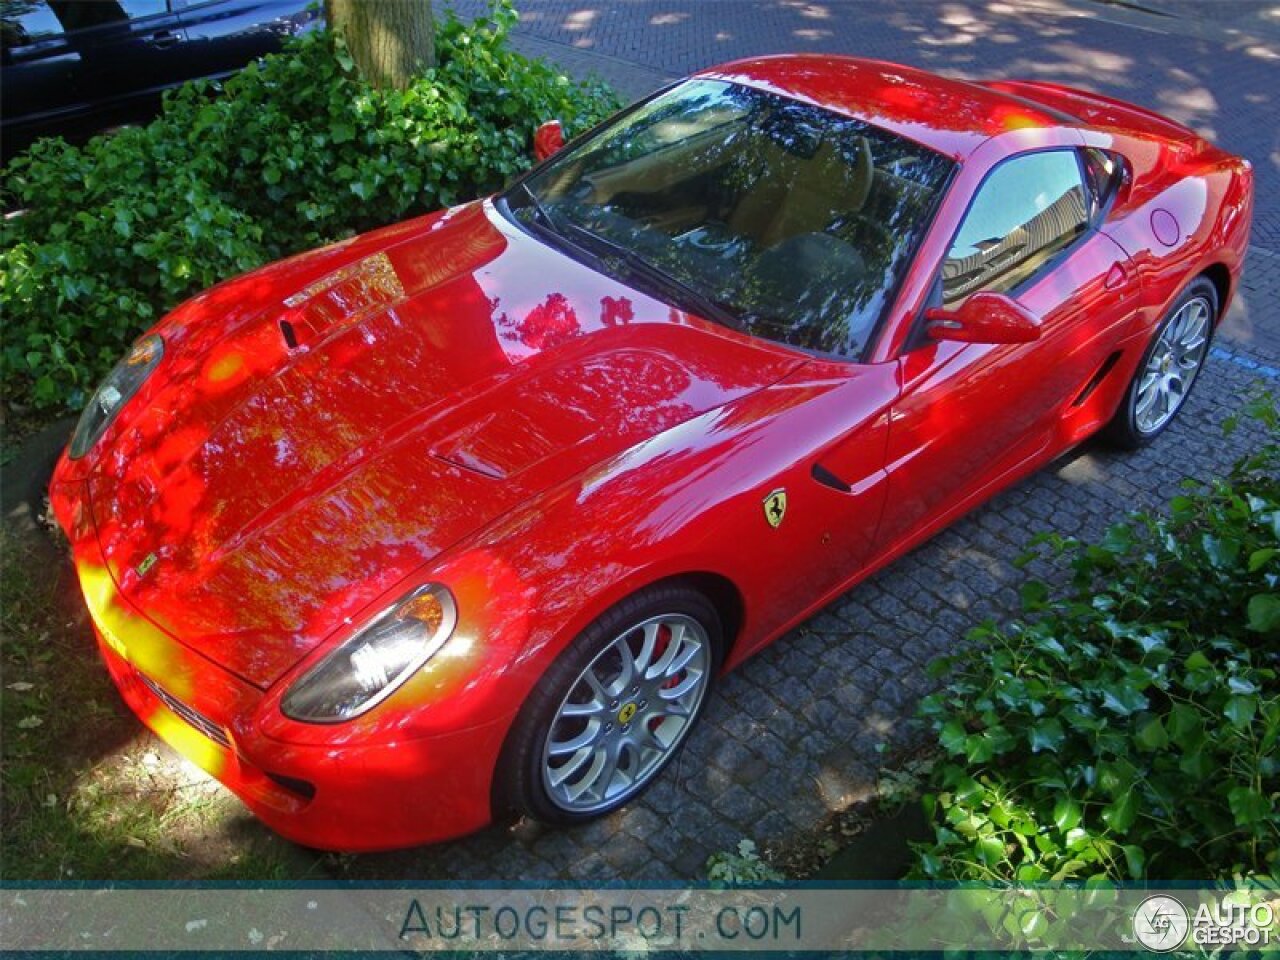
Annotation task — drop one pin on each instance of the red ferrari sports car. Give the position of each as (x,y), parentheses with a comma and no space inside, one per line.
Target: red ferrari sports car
(465,516)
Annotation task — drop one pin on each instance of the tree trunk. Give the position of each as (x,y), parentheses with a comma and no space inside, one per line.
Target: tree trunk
(390,40)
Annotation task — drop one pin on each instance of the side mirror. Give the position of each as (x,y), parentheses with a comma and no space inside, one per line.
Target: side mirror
(984,318)
(547,139)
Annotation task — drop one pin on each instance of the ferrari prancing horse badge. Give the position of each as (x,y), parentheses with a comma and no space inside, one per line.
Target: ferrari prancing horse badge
(775,507)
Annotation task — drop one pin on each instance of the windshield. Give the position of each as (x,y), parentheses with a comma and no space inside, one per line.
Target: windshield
(776,217)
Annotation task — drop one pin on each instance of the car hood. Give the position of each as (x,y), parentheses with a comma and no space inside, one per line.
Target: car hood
(320,430)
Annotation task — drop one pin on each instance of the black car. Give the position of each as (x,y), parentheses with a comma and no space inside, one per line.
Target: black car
(74,67)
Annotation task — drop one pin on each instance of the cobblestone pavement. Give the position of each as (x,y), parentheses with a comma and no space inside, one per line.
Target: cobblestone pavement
(793,734)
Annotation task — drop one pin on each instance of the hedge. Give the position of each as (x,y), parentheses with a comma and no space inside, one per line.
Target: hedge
(291,153)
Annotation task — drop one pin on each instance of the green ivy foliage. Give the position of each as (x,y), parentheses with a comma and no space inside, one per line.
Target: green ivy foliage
(1129,726)
(293,152)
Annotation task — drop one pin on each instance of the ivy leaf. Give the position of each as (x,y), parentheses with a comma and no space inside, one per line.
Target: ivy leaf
(1120,814)
(1221,552)
(341,132)
(1264,612)
(1248,806)
(1185,727)
(1136,860)
(1046,735)
(1066,814)
(1151,736)
(952,736)
(1123,699)
(990,850)
(1240,710)
(1197,661)
(1034,595)
(979,748)
(1241,685)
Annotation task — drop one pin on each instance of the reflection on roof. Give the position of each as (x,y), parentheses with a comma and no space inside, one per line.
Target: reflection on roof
(951,116)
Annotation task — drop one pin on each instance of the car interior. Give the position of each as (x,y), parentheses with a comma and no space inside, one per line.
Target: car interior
(793,217)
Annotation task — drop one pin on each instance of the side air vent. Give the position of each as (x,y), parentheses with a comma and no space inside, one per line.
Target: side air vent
(828,479)
(1096,379)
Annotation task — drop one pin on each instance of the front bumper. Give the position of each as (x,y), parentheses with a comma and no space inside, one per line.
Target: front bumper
(339,794)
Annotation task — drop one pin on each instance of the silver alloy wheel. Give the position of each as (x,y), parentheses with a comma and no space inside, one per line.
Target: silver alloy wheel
(1172,366)
(626,713)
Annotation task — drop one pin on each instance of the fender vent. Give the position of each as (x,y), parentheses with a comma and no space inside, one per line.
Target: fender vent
(1096,379)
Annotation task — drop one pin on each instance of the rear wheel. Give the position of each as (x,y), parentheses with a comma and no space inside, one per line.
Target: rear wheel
(1169,368)
(614,709)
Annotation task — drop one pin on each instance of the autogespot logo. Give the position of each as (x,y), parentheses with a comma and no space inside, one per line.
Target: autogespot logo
(1161,923)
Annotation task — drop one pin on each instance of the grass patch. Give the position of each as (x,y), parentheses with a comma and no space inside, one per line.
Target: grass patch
(88,792)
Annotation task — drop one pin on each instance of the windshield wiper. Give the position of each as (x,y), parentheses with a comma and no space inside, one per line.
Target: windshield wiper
(707,307)
(556,229)
(541,212)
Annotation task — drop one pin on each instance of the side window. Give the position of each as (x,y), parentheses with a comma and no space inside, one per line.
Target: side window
(22,23)
(1028,209)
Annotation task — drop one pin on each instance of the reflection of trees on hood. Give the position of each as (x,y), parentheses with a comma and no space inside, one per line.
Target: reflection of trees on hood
(549,324)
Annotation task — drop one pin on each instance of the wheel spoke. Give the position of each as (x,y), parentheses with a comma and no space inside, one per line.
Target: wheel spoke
(1146,399)
(628,659)
(680,661)
(691,680)
(598,762)
(649,738)
(558,748)
(663,667)
(645,657)
(588,709)
(611,757)
(560,774)
(599,693)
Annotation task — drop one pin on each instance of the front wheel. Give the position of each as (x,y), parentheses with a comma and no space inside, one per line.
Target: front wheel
(614,709)
(1169,368)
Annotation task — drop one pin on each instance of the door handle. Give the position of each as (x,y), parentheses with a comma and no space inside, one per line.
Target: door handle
(1116,276)
(163,39)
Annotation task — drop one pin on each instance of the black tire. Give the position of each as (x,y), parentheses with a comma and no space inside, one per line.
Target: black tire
(1123,431)
(519,786)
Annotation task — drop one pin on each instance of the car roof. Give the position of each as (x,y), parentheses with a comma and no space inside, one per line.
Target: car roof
(950,116)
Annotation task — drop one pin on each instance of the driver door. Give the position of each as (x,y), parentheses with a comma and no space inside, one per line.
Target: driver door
(973,416)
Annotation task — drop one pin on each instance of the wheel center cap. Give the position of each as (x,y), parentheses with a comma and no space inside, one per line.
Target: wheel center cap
(627,712)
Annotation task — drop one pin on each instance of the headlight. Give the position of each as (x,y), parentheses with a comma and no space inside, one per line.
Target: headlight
(121,384)
(367,668)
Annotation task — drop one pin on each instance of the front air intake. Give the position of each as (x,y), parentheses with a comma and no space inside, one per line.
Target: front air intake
(192,716)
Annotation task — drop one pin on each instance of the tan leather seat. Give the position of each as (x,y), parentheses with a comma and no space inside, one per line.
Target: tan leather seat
(806,195)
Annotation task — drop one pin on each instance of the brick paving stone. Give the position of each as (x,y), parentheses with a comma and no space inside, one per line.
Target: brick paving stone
(593,868)
(795,730)
(629,856)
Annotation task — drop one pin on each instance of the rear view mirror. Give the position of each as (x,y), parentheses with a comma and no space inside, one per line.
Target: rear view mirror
(984,318)
(547,139)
